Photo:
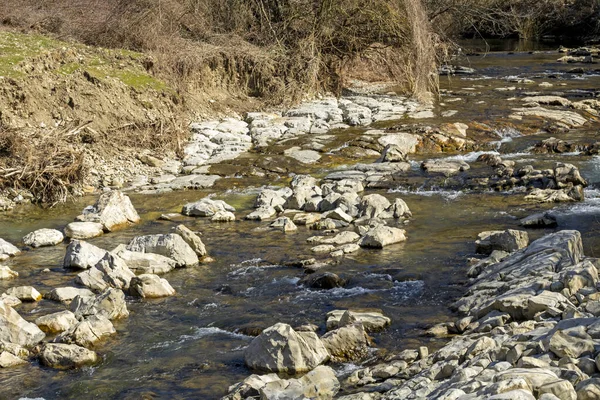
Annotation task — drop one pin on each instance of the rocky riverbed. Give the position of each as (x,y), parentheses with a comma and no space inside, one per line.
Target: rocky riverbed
(366,247)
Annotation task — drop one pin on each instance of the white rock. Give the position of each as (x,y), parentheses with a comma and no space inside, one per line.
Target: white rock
(284,224)
(110,303)
(43,237)
(82,255)
(223,216)
(25,293)
(372,321)
(67,294)
(381,236)
(145,263)
(83,230)
(6,273)
(8,249)
(14,329)
(111,271)
(113,210)
(151,286)
(192,240)
(281,349)
(170,245)
(66,356)
(56,322)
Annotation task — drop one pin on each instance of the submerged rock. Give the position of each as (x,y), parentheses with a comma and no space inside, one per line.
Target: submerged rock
(539,220)
(281,349)
(322,280)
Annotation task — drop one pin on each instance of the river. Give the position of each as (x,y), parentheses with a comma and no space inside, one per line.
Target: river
(190,346)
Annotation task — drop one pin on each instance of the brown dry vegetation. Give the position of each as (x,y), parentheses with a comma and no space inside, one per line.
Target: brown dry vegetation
(527,19)
(188,51)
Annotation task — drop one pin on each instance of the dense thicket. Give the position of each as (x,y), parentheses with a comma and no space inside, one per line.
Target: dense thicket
(272,48)
(529,19)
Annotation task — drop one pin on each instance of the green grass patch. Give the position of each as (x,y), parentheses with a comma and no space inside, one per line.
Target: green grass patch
(121,64)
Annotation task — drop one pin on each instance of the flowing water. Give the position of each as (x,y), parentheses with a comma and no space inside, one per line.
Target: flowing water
(191,347)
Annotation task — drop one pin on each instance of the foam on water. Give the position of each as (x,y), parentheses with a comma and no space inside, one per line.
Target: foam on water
(199,333)
(400,291)
(590,205)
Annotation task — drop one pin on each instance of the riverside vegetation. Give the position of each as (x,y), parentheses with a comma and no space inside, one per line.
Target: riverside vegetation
(369,245)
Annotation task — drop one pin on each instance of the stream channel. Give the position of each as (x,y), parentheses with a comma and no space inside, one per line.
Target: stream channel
(190,346)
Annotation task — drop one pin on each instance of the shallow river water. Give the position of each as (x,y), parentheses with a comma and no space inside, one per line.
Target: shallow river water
(190,347)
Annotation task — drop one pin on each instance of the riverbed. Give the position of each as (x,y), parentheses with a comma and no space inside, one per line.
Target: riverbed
(191,345)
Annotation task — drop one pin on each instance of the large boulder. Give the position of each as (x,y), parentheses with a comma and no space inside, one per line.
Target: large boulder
(205,207)
(88,332)
(66,356)
(25,293)
(150,286)
(372,320)
(113,210)
(280,348)
(110,303)
(347,343)
(14,329)
(56,322)
(192,239)
(6,273)
(83,230)
(67,294)
(374,206)
(509,240)
(145,263)
(7,249)
(43,237)
(82,255)
(110,271)
(572,344)
(319,384)
(381,236)
(171,245)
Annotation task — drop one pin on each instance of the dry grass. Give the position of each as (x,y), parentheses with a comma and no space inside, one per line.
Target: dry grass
(42,165)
